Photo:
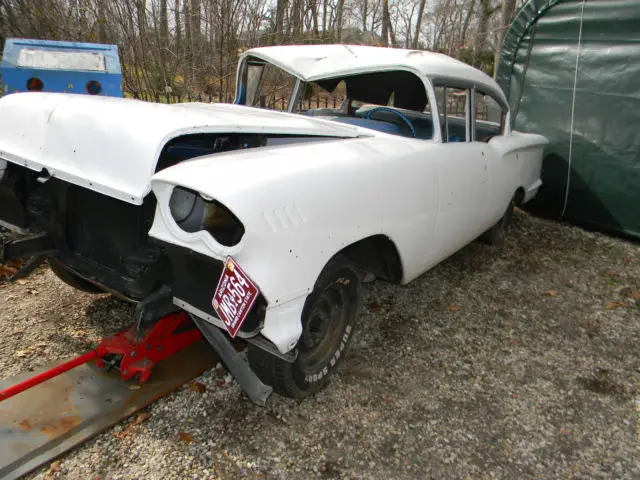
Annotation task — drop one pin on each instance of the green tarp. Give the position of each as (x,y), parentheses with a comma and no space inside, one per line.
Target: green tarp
(571,72)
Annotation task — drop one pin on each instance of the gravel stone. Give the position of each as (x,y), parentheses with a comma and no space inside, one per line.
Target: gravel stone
(520,362)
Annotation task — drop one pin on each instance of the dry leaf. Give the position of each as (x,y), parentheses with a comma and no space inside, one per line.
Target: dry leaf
(197,387)
(453,308)
(21,353)
(137,420)
(22,281)
(185,437)
(551,293)
(140,418)
(6,272)
(79,334)
(374,307)
(635,295)
(55,467)
(614,305)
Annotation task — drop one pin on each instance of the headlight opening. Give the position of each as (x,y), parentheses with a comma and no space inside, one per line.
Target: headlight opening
(192,213)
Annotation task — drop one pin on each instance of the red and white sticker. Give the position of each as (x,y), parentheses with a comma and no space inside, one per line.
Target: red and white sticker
(234,296)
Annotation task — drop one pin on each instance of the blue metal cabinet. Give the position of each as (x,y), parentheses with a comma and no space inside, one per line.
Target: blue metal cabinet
(69,67)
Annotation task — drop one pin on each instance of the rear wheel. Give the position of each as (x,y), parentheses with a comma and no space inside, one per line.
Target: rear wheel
(71,278)
(329,318)
(495,235)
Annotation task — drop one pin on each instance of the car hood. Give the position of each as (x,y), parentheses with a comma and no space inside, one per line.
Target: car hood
(112,145)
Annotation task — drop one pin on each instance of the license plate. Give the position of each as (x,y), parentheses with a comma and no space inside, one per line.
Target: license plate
(234,297)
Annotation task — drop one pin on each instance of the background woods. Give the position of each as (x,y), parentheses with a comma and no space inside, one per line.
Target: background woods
(190,47)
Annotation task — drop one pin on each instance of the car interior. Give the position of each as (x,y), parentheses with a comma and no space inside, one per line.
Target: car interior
(389,102)
(392,102)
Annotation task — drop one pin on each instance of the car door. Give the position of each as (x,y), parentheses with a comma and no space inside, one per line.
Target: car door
(462,173)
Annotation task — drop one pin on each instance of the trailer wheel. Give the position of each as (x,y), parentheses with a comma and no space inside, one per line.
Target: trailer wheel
(496,234)
(71,278)
(329,318)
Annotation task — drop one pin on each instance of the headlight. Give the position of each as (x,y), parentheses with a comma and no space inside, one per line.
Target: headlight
(193,213)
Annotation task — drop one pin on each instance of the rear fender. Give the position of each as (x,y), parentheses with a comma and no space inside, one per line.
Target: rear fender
(520,165)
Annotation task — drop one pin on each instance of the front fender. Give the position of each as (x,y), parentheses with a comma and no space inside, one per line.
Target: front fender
(300,205)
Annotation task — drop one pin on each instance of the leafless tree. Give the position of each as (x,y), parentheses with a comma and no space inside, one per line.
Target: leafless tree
(192,46)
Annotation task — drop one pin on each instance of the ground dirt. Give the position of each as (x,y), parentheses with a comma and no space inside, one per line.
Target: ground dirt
(519,362)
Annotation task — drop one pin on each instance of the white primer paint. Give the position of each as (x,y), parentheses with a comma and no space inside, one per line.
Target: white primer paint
(300,203)
(112,145)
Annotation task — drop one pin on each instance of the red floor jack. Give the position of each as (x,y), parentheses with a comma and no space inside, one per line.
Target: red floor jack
(72,401)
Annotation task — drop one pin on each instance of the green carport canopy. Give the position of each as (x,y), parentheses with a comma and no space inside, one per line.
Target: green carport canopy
(571,72)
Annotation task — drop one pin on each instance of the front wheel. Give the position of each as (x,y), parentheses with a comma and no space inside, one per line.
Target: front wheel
(329,318)
(71,278)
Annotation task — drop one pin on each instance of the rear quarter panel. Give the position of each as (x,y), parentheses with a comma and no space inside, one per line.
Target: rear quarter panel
(519,166)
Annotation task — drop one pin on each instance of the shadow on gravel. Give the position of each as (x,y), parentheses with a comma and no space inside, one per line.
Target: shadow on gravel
(606,382)
(109,314)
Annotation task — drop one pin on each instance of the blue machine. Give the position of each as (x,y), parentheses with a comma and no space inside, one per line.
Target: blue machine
(70,67)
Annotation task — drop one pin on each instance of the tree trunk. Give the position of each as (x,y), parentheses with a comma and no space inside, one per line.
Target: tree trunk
(222,16)
(392,35)
(338,25)
(465,25)
(365,12)
(324,18)
(419,23)
(164,23)
(386,23)
(102,24)
(508,10)
(176,12)
(281,7)
(313,5)
(196,26)
(296,23)
(486,11)
(188,43)
(196,21)
(141,10)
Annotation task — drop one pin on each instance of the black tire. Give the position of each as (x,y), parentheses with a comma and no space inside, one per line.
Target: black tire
(329,319)
(496,234)
(71,278)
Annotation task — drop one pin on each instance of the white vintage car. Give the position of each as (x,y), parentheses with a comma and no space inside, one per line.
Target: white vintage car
(265,223)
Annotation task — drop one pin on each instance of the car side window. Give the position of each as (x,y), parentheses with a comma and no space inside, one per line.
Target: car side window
(453,109)
(490,116)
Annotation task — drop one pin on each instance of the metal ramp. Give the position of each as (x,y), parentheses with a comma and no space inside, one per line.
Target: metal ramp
(66,410)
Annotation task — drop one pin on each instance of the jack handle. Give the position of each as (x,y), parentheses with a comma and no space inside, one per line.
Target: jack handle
(49,374)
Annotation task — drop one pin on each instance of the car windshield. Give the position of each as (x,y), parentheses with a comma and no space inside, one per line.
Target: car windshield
(266,86)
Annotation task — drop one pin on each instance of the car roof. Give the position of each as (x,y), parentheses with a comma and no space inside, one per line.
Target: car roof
(311,63)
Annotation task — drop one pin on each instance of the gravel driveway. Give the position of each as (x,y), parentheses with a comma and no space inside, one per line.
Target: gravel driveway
(513,363)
